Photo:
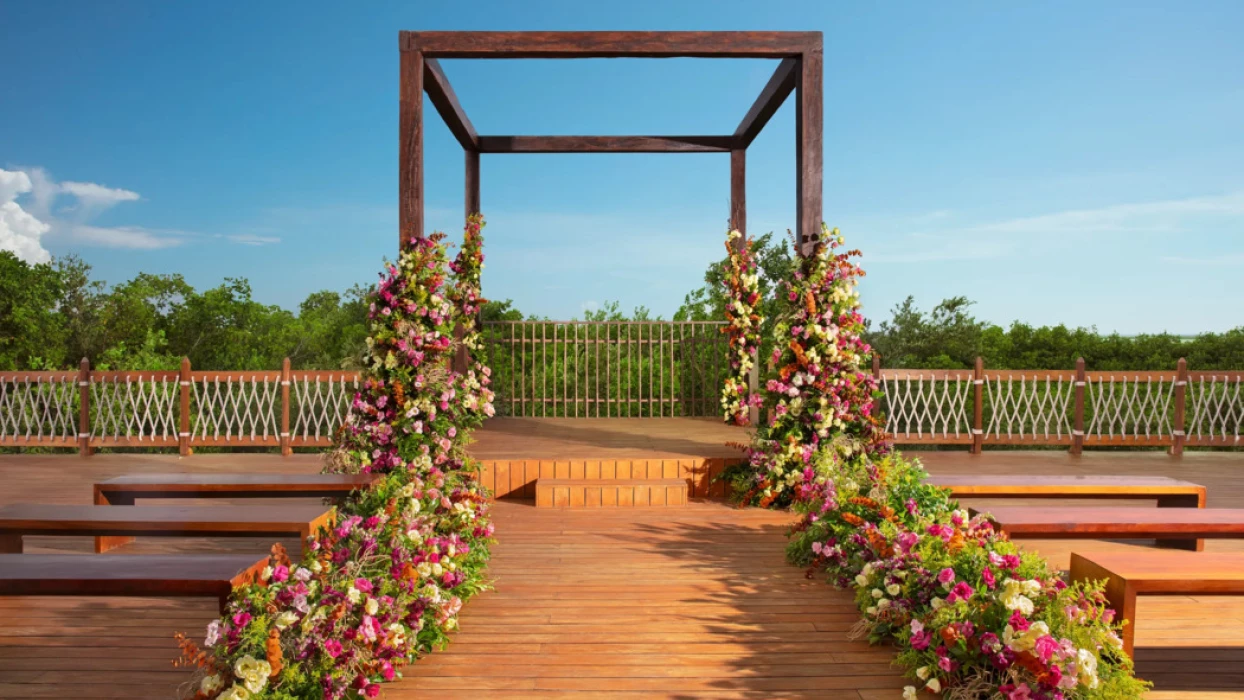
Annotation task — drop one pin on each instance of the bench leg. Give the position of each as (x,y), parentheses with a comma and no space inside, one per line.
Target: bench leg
(10,544)
(1182,501)
(105,543)
(1120,596)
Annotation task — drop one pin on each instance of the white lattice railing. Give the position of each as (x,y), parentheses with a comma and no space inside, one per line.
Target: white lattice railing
(928,405)
(1027,407)
(1130,408)
(320,404)
(1215,408)
(39,409)
(287,409)
(134,409)
(236,409)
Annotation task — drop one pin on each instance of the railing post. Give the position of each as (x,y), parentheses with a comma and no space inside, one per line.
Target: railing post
(978,406)
(1181,402)
(753,388)
(1077,431)
(84,408)
(877,366)
(286,450)
(461,360)
(183,429)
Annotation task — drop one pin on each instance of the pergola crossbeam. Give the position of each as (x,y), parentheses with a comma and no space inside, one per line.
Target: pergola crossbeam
(605,144)
(780,85)
(800,72)
(442,96)
(609,44)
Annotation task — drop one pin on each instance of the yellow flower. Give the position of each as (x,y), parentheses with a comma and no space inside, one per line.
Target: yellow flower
(285,619)
(211,683)
(909,692)
(235,692)
(254,673)
(372,606)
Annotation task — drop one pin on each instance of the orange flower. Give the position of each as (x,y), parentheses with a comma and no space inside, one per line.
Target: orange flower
(273,648)
(809,303)
(800,355)
(853,519)
(950,635)
(863,501)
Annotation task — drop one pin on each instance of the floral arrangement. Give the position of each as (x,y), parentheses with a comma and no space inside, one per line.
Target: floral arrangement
(818,397)
(972,615)
(742,326)
(386,583)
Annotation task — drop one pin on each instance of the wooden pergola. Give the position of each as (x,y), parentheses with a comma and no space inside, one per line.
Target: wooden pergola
(800,71)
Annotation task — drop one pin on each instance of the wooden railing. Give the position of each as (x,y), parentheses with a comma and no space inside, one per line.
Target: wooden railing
(643,369)
(605,369)
(1076,408)
(89,409)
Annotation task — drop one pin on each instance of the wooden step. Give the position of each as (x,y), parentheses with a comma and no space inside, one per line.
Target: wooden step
(610,493)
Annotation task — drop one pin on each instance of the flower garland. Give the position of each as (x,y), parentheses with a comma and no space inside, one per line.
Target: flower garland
(972,615)
(743,323)
(385,585)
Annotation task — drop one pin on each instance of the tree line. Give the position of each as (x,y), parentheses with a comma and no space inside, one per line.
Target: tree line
(53,314)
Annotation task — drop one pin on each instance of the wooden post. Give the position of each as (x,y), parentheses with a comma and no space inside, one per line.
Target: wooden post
(183,433)
(877,366)
(1077,432)
(84,408)
(738,190)
(410,147)
(286,450)
(809,115)
(978,406)
(472,182)
(461,358)
(1181,403)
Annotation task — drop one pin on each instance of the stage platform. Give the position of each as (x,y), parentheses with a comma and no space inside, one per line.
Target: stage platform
(515,452)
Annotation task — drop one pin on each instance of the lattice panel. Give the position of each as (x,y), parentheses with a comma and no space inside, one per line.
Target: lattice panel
(135,408)
(1122,407)
(39,407)
(321,405)
(1028,408)
(1215,409)
(236,409)
(928,406)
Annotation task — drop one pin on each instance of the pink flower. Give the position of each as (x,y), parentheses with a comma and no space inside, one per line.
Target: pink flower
(946,576)
(280,573)
(988,577)
(1046,647)
(241,619)
(961,591)
(332,647)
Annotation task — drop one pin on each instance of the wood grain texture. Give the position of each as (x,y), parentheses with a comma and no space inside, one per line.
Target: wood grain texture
(679,603)
(609,44)
(775,92)
(441,95)
(1064,486)
(410,148)
(605,144)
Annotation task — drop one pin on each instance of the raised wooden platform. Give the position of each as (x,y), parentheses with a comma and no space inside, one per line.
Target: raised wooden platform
(610,493)
(516,452)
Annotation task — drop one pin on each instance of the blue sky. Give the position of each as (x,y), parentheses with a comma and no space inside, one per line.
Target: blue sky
(1056,162)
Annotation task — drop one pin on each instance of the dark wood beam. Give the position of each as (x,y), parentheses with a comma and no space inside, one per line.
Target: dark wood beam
(472,182)
(771,98)
(738,190)
(809,156)
(441,93)
(605,144)
(609,44)
(410,149)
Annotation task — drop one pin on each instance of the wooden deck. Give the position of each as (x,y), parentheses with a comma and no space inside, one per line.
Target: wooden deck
(689,603)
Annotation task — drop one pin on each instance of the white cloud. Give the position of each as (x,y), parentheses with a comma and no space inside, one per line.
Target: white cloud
(20,232)
(1160,216)
(252,239)
(66,212)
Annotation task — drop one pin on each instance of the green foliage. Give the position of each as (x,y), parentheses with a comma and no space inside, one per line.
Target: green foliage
(32,334)
(949,337)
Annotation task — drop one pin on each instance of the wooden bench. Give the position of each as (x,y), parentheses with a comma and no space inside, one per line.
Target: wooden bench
(22,519)
(609,493)
(124,490)
(1169,493)
(155,575)
(1152,572)
(1180,528)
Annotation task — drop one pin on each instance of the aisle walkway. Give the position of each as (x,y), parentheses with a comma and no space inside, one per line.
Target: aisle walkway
(653,603)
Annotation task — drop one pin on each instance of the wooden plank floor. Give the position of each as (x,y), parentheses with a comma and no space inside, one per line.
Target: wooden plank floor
(688,603)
